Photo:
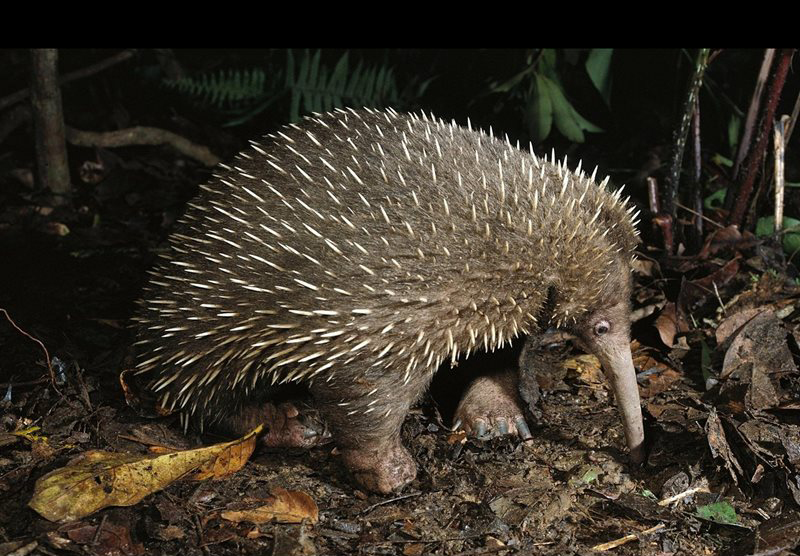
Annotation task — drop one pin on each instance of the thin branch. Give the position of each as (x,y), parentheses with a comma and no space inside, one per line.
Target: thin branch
(752,111)
(142,136)
(46,353)
(627,538)
(779,145)
(700,215)
(22,94)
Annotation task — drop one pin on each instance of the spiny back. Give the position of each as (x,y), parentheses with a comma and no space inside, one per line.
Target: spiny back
(369,242)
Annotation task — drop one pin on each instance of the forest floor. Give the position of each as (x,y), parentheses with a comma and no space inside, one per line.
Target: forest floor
(715,344)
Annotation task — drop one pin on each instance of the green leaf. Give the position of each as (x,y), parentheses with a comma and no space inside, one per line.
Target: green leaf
(547,63)
(567,120)
(598,66)
(720,160)
(648,494)
(562,115)
(718,512)
(540,114)
(590,476)
(715,200)
(765,226)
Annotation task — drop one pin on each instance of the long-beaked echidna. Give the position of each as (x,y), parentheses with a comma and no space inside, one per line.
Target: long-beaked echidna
(357,251)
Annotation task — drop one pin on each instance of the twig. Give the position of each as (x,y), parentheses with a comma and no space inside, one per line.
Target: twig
(142,136)
(779,145)
(46,353)
(25,549)
(692,211)
(652,194)
(627,538)
(752,111)
(389,501)
(756,155)
(485,550)
(22,94)
(685,494)
(97,531)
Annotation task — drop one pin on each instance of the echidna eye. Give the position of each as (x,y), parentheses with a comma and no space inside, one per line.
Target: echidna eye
(601,327)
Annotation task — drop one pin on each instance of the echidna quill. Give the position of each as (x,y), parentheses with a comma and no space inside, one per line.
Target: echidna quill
(359,250)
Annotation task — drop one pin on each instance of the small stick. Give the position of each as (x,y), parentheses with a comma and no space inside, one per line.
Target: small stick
(46,353)
(681,495)
(652,194)
(706,218)
(779,145)
(627,538)
(752,111)
(384,502)
(99,528)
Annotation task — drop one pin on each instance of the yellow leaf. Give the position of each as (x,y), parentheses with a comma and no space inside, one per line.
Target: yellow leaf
(98,479)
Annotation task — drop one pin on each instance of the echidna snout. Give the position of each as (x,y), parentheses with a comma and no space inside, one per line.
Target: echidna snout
(356,252)
(606,333)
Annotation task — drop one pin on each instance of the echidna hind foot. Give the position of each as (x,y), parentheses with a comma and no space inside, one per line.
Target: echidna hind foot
(366,416)
(286,424)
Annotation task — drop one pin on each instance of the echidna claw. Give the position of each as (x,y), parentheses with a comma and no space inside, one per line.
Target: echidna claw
(480,428)
(522,429)
(502,425)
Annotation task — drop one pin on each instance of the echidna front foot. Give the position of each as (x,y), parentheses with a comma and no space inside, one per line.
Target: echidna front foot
(491,407)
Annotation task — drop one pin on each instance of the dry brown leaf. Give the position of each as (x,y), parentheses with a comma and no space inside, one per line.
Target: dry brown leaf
(667,324)
(734,322)
(654,377)
(587,368)
(98,479)
(283,506)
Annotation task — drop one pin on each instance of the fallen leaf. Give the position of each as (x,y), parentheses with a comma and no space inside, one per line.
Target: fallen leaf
(653,377)
(587,367)
(719,445)
(283,506)
(98,479)
(734,322)
(667,324)
(105,538)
